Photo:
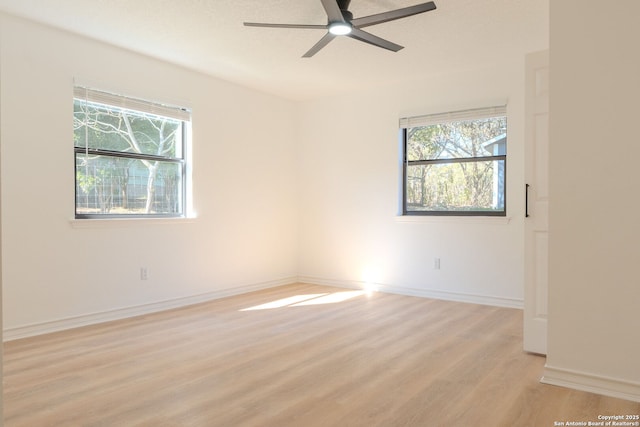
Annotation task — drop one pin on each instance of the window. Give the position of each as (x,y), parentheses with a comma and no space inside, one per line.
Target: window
(130,156)
(455,163)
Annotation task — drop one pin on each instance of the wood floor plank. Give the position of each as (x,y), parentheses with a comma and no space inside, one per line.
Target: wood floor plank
(297,355)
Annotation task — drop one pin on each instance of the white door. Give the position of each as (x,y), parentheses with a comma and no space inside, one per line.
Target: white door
(537,202)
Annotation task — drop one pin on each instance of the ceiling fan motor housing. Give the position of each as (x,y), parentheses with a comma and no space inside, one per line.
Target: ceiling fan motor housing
(348,16)
(343,5)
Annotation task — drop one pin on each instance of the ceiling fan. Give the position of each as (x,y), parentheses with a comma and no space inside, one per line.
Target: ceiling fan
(342,23)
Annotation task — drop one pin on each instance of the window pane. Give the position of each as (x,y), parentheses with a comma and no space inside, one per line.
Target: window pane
(463,139)
(459,187)
(107,185)
(103,127)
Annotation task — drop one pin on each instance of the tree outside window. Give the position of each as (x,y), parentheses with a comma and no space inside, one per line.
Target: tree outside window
(129,157)
(456,167)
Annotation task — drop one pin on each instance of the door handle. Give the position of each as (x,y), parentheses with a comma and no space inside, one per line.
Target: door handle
(526,200)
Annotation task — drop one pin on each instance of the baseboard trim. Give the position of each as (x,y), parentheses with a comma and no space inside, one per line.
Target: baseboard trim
(26,331)
(425,293)
(10,334)
(583,381)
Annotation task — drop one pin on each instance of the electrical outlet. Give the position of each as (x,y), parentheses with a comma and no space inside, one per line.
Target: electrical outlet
(144,273)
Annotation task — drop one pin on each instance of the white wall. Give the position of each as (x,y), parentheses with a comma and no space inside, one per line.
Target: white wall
(243,174)
(594,287)
(350,190)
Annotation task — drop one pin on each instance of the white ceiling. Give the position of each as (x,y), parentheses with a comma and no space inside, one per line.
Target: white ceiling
(208,36)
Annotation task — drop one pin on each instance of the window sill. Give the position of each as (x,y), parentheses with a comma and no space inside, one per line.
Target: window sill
(425,219)
(126,222)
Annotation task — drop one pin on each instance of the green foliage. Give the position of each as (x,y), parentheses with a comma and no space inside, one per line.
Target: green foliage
(454,186)
(85,182)
(453,140)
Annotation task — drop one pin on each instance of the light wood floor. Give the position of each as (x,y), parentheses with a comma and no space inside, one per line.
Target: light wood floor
(380,360)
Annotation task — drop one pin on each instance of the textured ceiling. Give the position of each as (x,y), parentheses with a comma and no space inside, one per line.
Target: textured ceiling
(208,36)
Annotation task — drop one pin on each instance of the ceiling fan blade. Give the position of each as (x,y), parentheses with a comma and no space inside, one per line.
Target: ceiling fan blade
(393,14)
(363,36)
(321,43)
(304,26)
(333,10)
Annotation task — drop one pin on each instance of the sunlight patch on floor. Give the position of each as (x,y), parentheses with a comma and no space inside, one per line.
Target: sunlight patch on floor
(308,299)
(331,298)
(284,302)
